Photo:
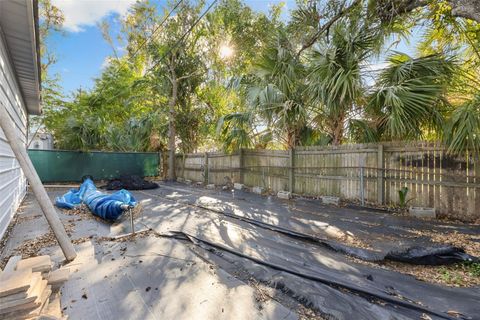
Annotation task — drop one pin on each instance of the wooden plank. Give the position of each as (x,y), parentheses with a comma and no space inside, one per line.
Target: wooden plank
(15,282)
(39,263)
(54,308)
(27,302)
(58,276)
(12,264)
(30,312)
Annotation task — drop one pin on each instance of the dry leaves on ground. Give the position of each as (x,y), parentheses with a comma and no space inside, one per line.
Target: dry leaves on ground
(456,275)
(83,212)
(469,242)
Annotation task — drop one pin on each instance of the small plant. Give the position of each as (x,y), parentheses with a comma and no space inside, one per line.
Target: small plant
(402,196)
(473,268)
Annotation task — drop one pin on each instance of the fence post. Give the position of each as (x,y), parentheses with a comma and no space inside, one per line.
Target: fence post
(242,165)
(159,163)
(380,175)
(362,186)
(291,171)
(205,169)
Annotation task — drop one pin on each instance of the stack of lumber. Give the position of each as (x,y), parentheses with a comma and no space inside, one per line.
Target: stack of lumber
(26,287)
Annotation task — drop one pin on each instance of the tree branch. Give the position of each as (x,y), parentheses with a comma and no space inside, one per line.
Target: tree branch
(188,75)
(388,9)
(326,26)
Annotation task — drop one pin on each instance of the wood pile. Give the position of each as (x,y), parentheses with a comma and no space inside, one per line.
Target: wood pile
(29,289)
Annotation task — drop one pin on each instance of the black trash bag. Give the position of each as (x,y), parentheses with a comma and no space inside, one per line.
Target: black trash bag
(130,182)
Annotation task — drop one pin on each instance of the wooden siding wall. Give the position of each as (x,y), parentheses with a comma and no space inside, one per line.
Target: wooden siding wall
(451,184)
(12,179)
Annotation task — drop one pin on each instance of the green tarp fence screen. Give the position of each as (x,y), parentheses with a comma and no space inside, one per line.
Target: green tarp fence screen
(71,166)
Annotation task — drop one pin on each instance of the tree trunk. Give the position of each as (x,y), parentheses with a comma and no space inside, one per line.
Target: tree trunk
(338,128)
(172,129)
(291,138)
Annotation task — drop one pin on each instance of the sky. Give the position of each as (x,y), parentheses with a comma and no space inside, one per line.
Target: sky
(81,50)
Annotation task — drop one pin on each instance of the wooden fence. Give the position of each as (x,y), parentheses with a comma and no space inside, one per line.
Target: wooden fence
(373,172)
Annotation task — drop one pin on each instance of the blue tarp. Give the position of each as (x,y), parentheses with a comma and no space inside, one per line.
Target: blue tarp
(106,206)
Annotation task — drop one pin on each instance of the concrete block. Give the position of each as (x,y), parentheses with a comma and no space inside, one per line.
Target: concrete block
(422,212)
(258,190)
(330,200)
(180,180)
(199,183)
(284,195)
(210,186)
(188,181)
(238,186)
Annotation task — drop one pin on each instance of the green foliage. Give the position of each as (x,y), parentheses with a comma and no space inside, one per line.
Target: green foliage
(409,95)
(307,81)
(363,131)
(88,122)
(335,79)
(460,274)
(402,197)
(274,95)
(235,131)
(463,128)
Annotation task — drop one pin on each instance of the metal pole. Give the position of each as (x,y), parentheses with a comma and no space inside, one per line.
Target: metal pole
(37,187)
(131,221)
(362,195)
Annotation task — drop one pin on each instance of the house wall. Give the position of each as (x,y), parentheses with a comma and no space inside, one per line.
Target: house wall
(12,179)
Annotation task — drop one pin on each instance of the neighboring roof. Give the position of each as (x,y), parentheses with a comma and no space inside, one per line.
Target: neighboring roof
(19,23)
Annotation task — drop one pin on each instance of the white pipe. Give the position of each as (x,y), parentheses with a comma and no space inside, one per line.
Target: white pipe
(26,164)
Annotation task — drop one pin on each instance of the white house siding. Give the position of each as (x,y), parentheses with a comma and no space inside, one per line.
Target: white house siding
(12,179)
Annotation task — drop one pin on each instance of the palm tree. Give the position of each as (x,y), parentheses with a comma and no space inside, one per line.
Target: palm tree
(463,128)
(274,99)
(409,96)
(277,92)
(335,80)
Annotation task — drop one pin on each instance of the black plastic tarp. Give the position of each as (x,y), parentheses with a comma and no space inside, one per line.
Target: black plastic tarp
(310,271)
(386,236)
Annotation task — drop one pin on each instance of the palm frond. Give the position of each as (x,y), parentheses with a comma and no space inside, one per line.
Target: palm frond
(463,128)
(409,93)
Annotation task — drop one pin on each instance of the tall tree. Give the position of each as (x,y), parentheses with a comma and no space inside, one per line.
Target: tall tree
(335,77)
(178,67)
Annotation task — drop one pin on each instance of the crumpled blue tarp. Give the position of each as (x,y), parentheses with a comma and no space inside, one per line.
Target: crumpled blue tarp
(106,206)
